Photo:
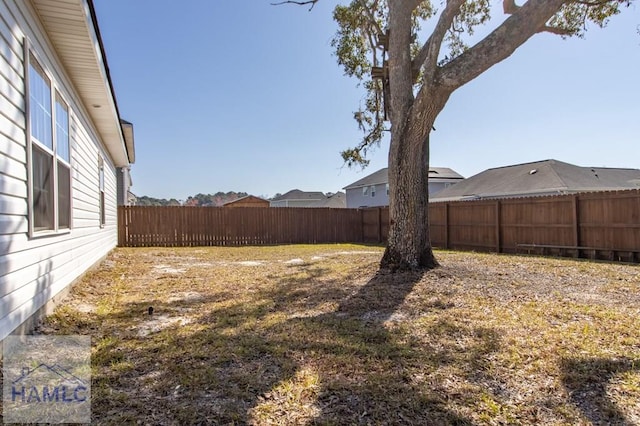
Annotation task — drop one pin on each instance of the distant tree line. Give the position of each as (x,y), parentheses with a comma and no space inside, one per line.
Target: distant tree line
(202,200)
(150,201)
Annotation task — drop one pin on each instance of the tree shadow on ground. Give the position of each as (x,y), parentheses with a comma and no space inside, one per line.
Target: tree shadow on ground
(282,355)
(586,381)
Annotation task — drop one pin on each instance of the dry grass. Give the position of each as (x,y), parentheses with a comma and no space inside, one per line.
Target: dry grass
(311,335)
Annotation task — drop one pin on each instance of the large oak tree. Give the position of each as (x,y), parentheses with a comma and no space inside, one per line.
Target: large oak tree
(409,81)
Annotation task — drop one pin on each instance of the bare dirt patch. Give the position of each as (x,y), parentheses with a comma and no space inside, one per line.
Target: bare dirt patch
(485,339)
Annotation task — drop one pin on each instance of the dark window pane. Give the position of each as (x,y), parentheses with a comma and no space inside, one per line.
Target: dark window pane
(42,190)
(101,190)
(64,196)
(103,218)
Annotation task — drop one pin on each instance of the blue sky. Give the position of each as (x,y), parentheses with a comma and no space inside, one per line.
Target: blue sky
(238,95)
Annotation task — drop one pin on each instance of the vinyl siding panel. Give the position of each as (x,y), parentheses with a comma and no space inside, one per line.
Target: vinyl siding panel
(356,199)
(13,205)
(13,149)
(35,269)
(12,186)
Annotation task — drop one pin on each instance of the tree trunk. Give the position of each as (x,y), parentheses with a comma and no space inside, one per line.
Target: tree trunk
(409,243)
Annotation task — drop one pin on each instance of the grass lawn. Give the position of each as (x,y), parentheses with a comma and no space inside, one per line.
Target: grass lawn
(311,335)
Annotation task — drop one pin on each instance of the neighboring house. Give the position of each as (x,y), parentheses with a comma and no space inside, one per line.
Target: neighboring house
(132,199)
(334,201)
(373,190)
(247,201)
(548,177)
(61,146)
(297,198)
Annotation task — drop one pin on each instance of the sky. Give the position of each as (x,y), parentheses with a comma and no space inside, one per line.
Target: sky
(240,95)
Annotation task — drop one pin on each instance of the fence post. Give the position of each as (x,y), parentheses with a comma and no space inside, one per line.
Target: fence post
(576,223)
(498,224)
(446,226)
(120,226)
(379,224)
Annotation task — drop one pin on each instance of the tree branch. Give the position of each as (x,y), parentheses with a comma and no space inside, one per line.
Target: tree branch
(300,3)
(416,3)
(428,54)
(510,7)
(372,19)
(527,20)
(555,30)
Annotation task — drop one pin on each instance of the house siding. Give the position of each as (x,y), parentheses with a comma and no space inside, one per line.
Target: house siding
(33,270)
(356,199)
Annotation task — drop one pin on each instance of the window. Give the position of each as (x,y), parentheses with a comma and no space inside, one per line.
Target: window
(50,152)
(373,191)
(387,188)
(63,154)
(365,190)
(103,218)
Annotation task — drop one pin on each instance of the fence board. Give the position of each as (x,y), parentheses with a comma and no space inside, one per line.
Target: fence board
(602,224)
(206,226)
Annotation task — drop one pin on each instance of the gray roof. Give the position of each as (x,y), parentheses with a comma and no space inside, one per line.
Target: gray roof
(336,201)
(382,176)
(540,178)
(296,194)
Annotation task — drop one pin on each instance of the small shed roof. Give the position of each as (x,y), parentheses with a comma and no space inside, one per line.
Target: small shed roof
(247,198)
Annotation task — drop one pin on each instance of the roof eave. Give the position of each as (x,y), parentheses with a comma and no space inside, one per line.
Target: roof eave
(77,42)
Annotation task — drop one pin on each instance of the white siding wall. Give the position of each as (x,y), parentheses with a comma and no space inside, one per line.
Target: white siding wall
(33,270)
(356,198)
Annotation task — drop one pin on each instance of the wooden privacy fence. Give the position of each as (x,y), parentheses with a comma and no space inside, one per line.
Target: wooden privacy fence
(595,225)
(210,226)
(603,225)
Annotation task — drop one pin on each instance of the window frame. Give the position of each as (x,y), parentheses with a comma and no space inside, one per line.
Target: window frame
(31,59)
(373,191)
(102,217)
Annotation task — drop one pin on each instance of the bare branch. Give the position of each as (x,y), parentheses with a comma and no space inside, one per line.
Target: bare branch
(593,3)
(372,19)
(428,54)
(300,3)
(555,30)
